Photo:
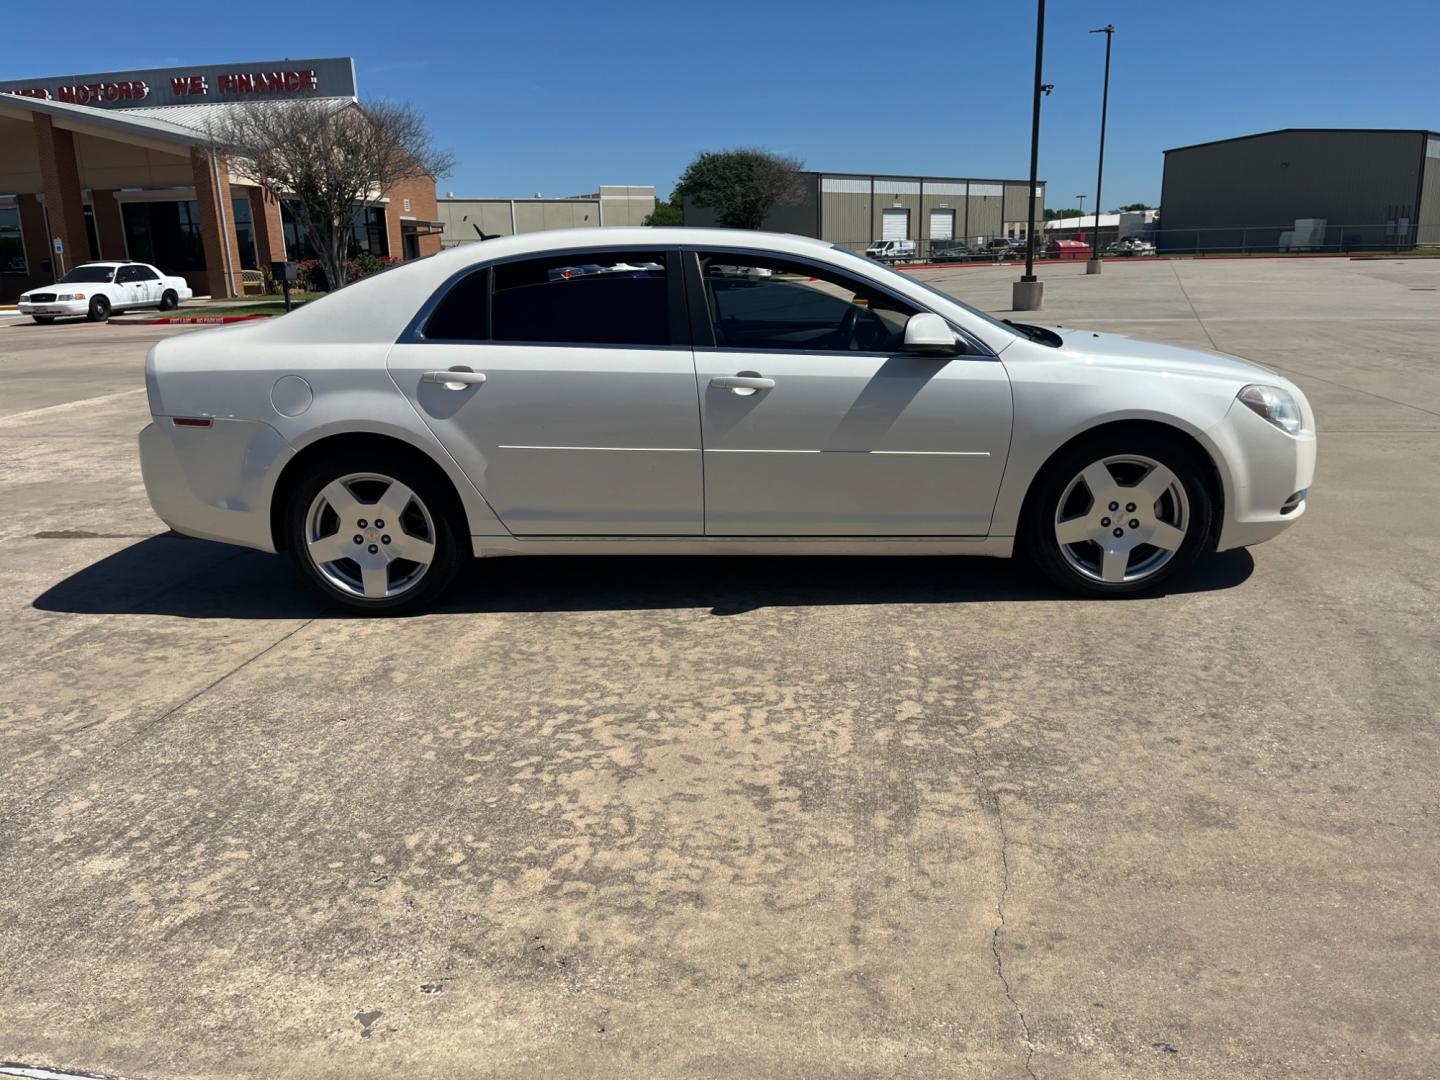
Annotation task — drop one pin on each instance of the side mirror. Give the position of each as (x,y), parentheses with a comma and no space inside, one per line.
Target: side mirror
(927,334)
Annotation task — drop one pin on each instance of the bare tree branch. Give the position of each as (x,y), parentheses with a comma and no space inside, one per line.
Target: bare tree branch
(335,160)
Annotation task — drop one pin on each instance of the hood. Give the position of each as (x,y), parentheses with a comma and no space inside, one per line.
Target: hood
(1123,351)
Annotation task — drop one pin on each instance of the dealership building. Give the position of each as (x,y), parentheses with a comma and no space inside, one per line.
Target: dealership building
(857,209)
(1303,189)
(119,165)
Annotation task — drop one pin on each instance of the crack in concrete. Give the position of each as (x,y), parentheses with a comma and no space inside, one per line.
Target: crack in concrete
(993,799)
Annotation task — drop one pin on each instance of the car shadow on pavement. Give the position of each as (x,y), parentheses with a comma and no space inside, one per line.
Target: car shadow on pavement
(171,575)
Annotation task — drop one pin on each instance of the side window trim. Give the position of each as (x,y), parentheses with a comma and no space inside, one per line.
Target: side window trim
(701,316)
(677,307)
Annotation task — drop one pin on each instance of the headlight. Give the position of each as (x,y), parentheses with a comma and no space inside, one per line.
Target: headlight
(1275,405)
(71,296)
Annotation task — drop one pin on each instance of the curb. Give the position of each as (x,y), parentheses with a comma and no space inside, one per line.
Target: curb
(191,320)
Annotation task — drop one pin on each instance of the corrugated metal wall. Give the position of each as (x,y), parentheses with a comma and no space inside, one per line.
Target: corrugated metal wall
(1350,178)
(1430,193)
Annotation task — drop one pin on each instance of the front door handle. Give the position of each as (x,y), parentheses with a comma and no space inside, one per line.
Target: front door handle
(455,379)
(742,383)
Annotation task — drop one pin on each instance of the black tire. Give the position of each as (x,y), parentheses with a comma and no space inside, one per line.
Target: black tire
(169,301)
(432,492)
(1042,510)
(99,310)
(43,320)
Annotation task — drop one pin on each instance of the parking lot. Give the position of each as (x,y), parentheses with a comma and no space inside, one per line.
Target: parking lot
(718,817)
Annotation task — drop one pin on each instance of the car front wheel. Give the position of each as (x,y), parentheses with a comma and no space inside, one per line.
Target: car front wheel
(373,535)
(1120,515)
(99,310)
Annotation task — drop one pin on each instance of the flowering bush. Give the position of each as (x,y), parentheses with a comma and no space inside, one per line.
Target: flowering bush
(310,275)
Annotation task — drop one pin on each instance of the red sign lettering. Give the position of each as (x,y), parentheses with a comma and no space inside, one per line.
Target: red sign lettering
(189,85)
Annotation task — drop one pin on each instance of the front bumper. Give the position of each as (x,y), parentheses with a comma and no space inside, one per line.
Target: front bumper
(1267,468)
(56,307)
(214,482)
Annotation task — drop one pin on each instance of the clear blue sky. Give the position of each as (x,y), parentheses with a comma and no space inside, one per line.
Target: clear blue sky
(561,96)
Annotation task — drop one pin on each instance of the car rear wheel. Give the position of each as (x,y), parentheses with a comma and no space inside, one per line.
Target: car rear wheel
(373,534)
(43,320)
(99,309)
(169,301)
(1120,515)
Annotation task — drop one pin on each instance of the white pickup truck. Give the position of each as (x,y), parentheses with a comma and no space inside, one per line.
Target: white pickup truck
(98,288)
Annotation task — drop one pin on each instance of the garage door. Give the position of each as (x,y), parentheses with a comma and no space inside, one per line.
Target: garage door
(895,225)
(942,224)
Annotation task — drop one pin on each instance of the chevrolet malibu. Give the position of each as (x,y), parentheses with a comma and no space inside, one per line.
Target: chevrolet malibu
(696,391)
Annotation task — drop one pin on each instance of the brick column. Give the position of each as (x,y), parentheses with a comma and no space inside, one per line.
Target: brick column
(269,229)
(61,179)
(37,241)
(109,229)
(212,195)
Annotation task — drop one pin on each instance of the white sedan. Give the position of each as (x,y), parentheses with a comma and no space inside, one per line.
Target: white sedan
(478,403)
(96,289)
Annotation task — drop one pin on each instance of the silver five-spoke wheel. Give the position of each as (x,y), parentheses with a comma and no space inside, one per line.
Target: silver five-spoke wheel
(370,536)
(1122,519)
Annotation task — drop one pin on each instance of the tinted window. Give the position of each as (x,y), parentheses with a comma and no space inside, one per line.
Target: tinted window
(88,273)
(144,273)
(760,303)
(595,297)
(464,312)
(127,274)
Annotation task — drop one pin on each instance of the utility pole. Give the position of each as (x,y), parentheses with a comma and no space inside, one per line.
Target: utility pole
(1093,266)
(1027,293)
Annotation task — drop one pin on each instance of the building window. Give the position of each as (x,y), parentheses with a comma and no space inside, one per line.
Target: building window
(368,234)
(12,248)
(164,233)
(244,232)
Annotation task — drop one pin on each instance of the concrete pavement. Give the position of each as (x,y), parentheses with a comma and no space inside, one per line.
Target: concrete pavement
(779,818)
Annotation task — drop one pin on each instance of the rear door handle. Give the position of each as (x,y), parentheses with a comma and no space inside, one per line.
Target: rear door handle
(742,382)
(456,379)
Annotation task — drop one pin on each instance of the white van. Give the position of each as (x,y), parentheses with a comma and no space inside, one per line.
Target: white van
(891,250)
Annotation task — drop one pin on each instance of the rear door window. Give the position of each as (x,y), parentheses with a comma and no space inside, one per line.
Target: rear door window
(587,298)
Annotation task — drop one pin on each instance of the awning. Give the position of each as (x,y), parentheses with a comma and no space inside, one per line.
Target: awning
(421,228)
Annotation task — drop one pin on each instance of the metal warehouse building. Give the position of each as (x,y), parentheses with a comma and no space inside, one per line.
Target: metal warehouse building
(471,219)
(1337,189)
(857,209)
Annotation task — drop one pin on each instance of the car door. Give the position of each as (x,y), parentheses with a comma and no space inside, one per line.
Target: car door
(129,289)
(149,285)
(564,385)
(814,424)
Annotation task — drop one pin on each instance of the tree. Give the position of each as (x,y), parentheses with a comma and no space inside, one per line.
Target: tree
(668,213)
(1069,211)
(741,185)
(1133,206)
(333,161)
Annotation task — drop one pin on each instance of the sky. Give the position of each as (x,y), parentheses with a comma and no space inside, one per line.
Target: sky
(560,97)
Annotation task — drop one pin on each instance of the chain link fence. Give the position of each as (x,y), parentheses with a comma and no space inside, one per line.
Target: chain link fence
(1379,239)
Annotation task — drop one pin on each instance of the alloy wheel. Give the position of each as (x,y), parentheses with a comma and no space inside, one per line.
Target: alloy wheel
(370,536)
(1122,519)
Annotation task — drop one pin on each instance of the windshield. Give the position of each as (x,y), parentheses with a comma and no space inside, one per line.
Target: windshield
(990,319)
(88,273)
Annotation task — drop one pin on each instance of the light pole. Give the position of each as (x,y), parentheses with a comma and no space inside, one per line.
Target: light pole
(1082,199)
(1093,266)
(1027,293)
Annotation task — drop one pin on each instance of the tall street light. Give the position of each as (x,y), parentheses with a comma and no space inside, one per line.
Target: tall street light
(1082,199)
(1026,294)
(1093,266)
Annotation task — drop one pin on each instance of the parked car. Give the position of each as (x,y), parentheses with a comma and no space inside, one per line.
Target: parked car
(999,248)
(1131,245)
(953,251)
(96,289)
(891,250)
(470,404)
